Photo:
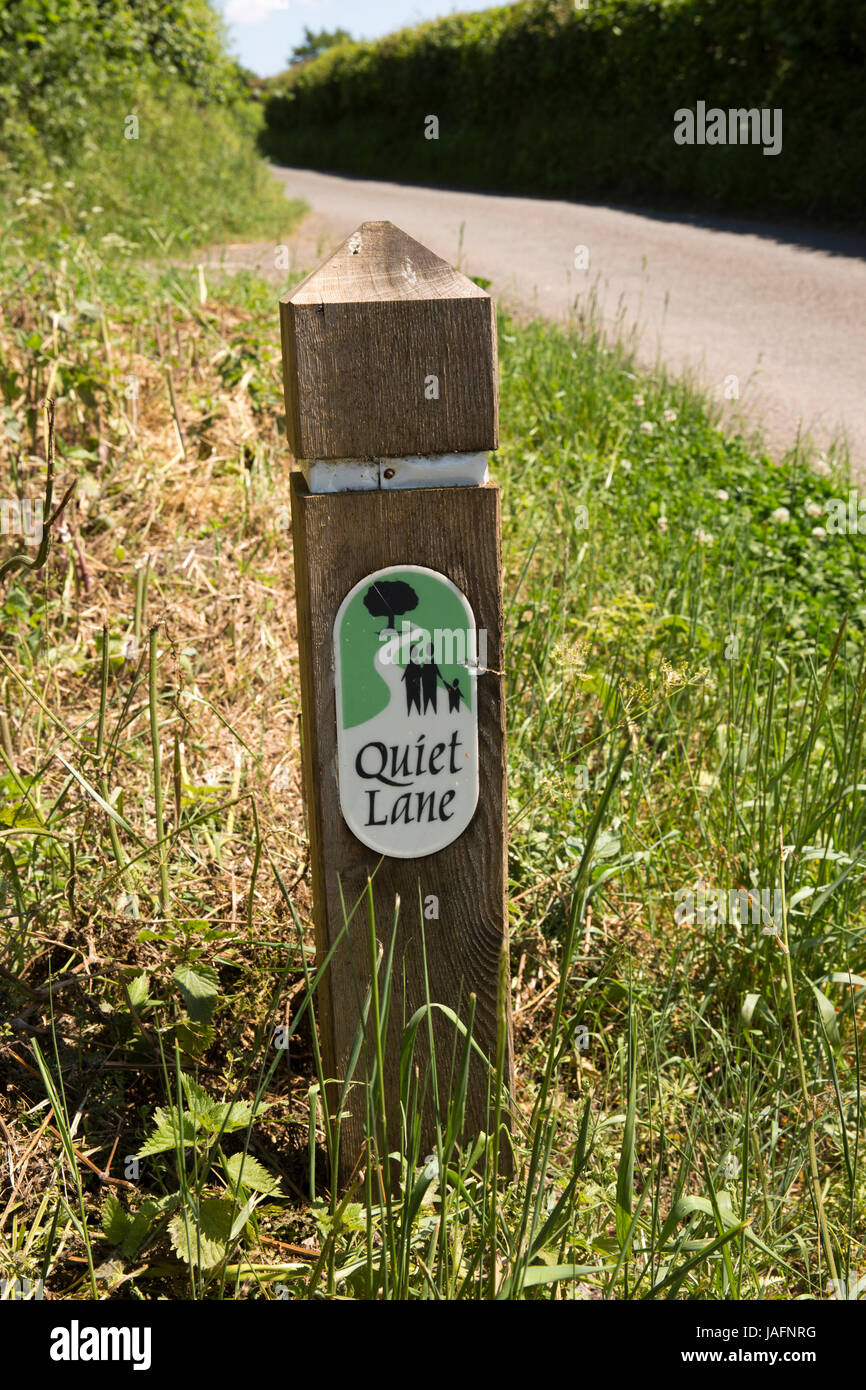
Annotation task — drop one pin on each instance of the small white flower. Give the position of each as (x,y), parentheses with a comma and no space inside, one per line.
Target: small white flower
(647,427)
(663,524)
(814,509)
(819,533)
(670,416)
(703,537)
(722,496)
(70,183)
(638,400)
(781,515)
(822,467)
(625,465)
(97,208)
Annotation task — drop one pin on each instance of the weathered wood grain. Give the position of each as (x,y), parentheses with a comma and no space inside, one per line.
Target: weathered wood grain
(388,351)
(338,540)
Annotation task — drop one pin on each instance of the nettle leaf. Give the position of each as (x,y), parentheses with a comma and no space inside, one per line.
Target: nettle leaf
(115,1221)
(202,1238)
(172,1129)
(138,991)
(194,1039)
(199,985)
(246,1171)
(199,1104)
(160,1206)
(139,1228)
(238,1114)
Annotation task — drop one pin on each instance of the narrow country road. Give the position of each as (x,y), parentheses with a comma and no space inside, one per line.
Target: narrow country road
(775,313)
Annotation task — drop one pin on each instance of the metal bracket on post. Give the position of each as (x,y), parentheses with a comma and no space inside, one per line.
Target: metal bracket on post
(366,475)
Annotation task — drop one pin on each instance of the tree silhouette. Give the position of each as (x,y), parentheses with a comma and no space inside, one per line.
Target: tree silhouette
(388,597)
(316,42)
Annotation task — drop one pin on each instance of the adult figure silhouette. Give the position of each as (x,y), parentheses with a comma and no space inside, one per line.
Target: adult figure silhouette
(430,673)
(413,676)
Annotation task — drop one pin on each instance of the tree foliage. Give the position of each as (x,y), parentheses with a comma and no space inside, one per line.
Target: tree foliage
(388,597)
(59,58)
(316,42)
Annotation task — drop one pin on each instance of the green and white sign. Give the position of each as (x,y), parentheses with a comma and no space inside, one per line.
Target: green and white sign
(407,658)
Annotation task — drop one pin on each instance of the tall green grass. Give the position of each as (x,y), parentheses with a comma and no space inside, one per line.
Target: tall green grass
(685,686)
(668,582)
(190,177)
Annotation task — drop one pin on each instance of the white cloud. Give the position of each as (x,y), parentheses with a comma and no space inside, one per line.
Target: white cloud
(252,11)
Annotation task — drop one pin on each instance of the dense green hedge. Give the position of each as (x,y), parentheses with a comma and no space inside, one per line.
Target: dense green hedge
(59,59)
(76,172)
(540,97)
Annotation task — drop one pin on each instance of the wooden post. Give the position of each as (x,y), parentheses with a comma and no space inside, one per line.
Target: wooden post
(390,380)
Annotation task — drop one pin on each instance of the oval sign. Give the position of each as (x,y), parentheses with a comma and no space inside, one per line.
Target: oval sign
(406,660)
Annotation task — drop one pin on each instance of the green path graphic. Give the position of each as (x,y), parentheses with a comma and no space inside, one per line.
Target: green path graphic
(364,693)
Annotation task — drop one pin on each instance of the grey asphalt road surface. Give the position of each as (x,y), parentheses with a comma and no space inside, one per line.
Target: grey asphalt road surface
(775,314)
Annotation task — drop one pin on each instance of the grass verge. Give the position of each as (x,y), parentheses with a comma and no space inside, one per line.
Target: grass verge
(685,681)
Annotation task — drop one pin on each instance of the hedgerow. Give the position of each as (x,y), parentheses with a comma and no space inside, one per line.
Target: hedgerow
(540,97)
(59,59)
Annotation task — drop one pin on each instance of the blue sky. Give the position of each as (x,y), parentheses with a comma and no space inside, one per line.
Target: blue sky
(264,32)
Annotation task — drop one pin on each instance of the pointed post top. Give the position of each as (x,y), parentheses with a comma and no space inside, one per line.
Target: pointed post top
(388,352)
(381,262)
